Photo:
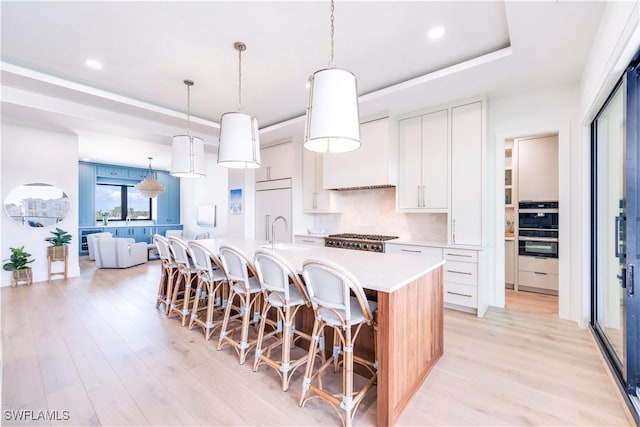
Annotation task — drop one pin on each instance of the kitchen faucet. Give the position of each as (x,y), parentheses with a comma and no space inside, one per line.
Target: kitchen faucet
(273,235)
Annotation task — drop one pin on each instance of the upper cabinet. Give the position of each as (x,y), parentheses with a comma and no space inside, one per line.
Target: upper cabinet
(168,202)
(314,198)
(538,168)
(467,127)
(372,165)
(86,194)
(277,162)
(112,171)
(423,163)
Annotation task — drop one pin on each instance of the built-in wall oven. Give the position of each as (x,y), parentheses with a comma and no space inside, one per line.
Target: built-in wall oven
(538,229)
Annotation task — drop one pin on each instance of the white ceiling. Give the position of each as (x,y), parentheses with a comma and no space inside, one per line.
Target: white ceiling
(149,48)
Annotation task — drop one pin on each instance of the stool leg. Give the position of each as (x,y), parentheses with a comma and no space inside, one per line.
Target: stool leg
(263,321)
(286,348)
(194,307)
(246,320)
(313,346)
(347,378)
(225,320)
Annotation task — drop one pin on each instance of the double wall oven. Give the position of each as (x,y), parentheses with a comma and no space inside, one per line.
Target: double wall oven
(538,229)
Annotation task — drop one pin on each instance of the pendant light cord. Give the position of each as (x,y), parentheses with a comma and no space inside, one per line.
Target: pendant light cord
(332,63)
(188,111)
(239,79)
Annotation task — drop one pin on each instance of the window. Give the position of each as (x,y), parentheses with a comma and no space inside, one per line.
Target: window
(121,201)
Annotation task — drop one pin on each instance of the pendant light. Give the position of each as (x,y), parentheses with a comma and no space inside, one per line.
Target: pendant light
(150,187)
(333,123)
(239,140)
(187,160)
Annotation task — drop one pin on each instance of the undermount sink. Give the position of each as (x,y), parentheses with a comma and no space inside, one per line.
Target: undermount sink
(289,246)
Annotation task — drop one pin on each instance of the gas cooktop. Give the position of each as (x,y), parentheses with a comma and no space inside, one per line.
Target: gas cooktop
(361,242)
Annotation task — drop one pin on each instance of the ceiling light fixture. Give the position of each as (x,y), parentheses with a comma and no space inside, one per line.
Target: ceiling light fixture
(333,124)
(150,187)
(187,160)
(239,140)
(435,33)
(94,63)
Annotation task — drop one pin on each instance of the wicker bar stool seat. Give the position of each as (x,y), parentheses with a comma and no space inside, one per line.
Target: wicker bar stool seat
(210,290)
(167,276)
(285,294)
(242,308)
(330,289)
(184,290)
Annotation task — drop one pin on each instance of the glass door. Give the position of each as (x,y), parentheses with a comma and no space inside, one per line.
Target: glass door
(615,246)
(609,184)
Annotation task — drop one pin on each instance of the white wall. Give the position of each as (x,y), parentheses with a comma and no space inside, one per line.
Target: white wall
(553,110)
(212,190)
(34,155)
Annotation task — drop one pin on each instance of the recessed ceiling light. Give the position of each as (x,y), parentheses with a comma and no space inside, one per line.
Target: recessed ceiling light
(435,33)
(94,63)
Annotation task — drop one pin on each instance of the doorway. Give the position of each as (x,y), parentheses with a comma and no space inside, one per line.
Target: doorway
(532,211)
(615,245)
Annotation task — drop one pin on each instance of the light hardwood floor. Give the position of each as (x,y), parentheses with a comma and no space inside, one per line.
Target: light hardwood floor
(96,346)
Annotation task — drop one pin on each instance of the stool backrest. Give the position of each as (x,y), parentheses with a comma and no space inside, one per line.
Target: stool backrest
(162,244)
(275,274)
(236,264)
(330,285)
(180,251)
(204,235)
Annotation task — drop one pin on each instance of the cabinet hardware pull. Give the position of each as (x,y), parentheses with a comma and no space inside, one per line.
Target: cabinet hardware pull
(459,294)
(460,255)
(266,228)
(460,272)
(424,204)
(308,241)
(411,250)
(419,201)
(540,272)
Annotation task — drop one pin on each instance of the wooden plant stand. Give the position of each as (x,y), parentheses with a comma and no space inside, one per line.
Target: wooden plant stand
(23,275)
(58,253)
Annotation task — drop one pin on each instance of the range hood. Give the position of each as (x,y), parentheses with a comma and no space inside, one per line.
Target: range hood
(373,165)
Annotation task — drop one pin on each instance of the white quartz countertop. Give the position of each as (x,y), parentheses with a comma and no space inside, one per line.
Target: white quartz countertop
(376,271)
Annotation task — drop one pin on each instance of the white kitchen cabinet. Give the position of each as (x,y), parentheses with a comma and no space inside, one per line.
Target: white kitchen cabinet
(372,165)
(399,248)
(538,168)
(314,198)
(277,162)
(423,163)
(461,278)
(467,127)
(309,240)
(538,274)
(271,203)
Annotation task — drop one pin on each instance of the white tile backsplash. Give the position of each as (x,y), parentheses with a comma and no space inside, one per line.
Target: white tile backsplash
(374,212)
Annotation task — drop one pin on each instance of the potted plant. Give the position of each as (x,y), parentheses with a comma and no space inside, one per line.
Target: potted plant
(17,264)
(58,251)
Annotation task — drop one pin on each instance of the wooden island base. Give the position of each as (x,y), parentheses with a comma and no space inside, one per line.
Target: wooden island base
(410,341)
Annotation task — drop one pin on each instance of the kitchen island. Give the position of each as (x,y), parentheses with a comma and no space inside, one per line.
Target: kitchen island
(410,312)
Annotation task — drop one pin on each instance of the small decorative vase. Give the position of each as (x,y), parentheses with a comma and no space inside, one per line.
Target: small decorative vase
(105,220)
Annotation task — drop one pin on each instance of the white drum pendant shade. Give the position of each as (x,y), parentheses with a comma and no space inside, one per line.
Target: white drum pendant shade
(333,123)
(239,141)
(187,160)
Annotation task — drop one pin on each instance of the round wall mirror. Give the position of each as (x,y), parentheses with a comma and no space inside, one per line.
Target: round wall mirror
(37,205)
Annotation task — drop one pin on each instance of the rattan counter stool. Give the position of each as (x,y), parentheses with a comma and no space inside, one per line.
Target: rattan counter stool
(330,287)
(211,282)
(242,308)
(183,290)
(167,276)
(285,294)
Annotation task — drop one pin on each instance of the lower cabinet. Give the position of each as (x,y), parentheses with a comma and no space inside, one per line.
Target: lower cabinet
(461,272)
(309,240)
(510,263)
(461,278)
(83,248)
(538,274)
